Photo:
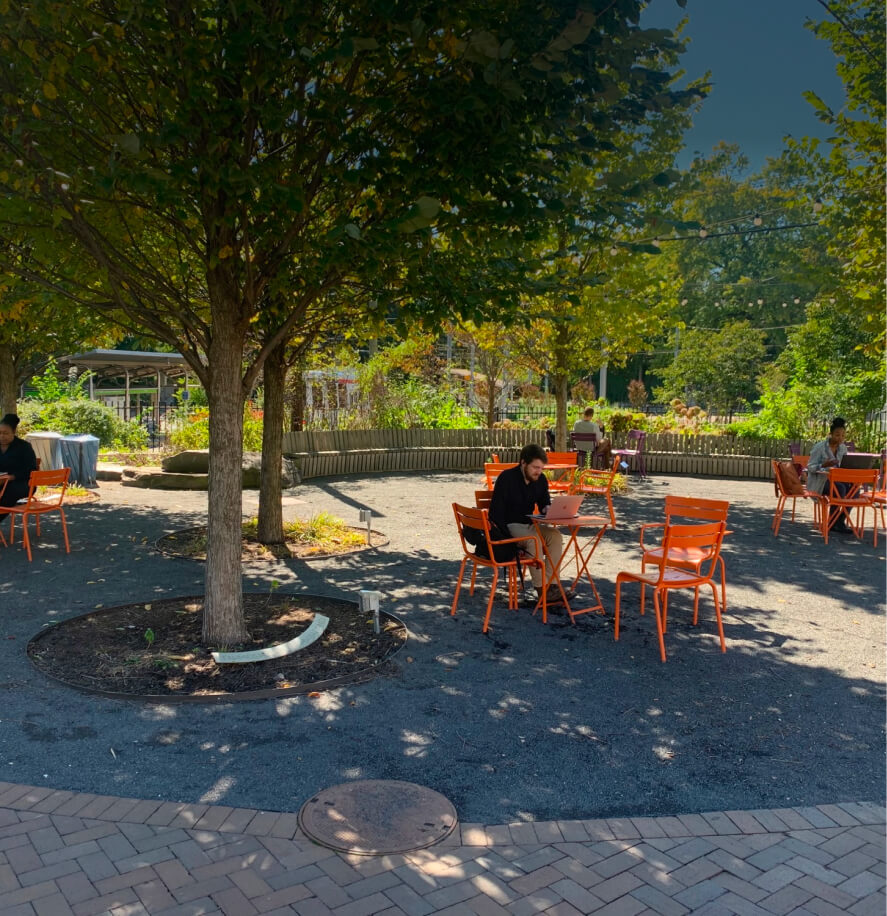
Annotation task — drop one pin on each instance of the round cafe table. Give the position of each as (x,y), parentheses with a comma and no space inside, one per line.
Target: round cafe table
(577,551)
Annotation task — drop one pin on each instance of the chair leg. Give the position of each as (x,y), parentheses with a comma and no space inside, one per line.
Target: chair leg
(777,516)
(718,617)
(723,584)
(65,530)
(490,602)
(25,537)
(660,626)
(610,507)
(459,586)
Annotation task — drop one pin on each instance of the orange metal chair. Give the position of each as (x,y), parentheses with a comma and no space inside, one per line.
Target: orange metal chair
(468,517)
(560,480)
(879,497)
(493,469)
(600,483)
(859,495)
(683,509)
(785,492)
(483,498)
(40,505)
(705,538)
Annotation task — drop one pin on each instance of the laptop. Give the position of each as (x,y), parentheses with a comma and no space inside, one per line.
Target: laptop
(859,461)
(562,506)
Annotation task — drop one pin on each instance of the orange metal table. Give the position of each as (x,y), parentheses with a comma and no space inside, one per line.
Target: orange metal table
(574,551)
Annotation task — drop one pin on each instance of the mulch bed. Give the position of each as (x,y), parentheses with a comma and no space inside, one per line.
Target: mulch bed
(107,651)
(190,544)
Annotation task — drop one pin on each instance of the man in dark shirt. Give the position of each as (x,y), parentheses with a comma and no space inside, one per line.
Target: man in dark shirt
(516,495)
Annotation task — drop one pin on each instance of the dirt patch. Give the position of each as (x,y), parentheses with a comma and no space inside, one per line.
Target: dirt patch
(154,651)
(190,544)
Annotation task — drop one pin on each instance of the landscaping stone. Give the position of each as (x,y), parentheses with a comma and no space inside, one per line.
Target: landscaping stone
(196,462)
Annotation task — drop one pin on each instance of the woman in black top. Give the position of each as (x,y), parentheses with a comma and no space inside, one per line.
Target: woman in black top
(17,459)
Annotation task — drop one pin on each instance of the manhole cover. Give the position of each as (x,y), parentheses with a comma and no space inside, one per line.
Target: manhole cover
(377,816)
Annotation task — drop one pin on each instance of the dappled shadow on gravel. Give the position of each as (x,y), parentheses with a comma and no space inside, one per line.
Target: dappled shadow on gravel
(529,721)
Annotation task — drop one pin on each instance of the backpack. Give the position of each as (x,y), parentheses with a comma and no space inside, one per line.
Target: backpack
(502,552)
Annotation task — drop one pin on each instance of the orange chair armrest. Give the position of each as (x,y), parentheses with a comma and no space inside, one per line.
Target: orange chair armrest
(649,525)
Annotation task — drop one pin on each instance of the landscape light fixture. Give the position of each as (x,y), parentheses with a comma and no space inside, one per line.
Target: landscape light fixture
(369,601)
(366,515)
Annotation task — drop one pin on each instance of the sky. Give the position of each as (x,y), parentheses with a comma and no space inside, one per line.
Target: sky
(761,60)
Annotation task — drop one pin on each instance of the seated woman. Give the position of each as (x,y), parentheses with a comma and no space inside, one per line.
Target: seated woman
(17,460)
(824,455)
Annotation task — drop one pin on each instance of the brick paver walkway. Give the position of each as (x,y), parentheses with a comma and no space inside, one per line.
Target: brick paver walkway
(64,852)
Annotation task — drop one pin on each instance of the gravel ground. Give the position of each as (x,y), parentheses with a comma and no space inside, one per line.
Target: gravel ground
(527,722)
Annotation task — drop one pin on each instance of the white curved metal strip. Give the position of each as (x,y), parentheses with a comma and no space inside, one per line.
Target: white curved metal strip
(312,634)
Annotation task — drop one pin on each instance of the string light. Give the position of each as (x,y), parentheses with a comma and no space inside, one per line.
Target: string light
(760,301)
(703,233)
(817,205)
(614,251)
(758,221)
(656,242)
(797,300)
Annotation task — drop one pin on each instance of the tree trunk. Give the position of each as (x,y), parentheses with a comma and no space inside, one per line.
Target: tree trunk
(223,623)
(8,384)
(491,402)
(560,398)
(270,491)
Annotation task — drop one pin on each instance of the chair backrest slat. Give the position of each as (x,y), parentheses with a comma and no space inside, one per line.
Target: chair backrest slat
(562,457)
(714,510)
(55,479)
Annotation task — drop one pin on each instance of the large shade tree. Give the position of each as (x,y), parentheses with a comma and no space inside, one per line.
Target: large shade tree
(209,157)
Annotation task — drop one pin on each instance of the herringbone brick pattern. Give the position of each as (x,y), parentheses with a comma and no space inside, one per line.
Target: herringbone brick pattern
(66,853)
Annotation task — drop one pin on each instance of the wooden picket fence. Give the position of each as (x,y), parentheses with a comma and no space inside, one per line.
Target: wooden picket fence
(334,452)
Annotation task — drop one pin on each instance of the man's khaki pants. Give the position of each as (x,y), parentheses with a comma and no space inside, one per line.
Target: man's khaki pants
(554,544)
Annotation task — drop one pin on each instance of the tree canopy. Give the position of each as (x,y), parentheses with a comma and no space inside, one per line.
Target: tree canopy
(222,162)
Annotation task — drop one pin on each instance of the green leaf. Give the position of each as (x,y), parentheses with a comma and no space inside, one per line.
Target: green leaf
(129,143)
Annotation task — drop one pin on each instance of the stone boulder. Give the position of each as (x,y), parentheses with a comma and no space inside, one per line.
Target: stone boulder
(153,478)
(196,461)
(192,461)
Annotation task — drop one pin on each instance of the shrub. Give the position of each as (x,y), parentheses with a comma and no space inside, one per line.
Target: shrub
(637,394)
(194,432)
(71,417)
